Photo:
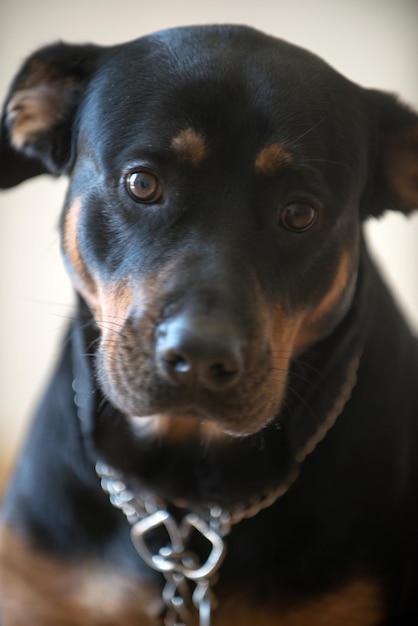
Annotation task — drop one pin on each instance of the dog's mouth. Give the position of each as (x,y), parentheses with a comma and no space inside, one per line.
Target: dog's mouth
(158,406)
(193,372)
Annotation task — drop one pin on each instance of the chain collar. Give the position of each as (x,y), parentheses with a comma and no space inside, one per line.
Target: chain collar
(188,581)
(189,599)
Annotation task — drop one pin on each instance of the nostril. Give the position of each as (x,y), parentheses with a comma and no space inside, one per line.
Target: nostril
(196,351)
(176,362)
(223,371)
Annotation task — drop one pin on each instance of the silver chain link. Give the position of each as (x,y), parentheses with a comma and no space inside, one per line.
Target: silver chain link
(187,594)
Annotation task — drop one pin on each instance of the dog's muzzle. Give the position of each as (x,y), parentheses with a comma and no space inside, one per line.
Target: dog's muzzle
(203,352)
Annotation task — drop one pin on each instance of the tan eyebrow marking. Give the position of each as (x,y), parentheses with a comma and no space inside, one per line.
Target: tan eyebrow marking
(189,146)
(273,158)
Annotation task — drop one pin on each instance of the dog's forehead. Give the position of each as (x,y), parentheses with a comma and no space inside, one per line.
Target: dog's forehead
(225,83)
(198,68)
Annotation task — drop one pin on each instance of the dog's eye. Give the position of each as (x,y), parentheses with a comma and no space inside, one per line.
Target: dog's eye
(144,186)
(298,216)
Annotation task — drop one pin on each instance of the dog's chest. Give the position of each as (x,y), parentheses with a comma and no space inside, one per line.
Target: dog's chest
(359,602)
(38,590)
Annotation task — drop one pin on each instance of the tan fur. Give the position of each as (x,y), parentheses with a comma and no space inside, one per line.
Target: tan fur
(291,334)
(115,303)
(189,146)
(82,279)
(32,112)
(359,603)
(36,590)
(176,429)
(301,329)
(337,289)
(114,306)
(37,104)
(272,159)
(402,167)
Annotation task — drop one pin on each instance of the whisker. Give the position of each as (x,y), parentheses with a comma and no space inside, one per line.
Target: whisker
(306,132)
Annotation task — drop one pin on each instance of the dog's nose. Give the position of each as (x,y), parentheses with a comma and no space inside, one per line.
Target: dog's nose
(197,350)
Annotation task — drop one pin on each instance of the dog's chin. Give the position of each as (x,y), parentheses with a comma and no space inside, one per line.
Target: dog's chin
(206,416)
(190,421)
(175,428)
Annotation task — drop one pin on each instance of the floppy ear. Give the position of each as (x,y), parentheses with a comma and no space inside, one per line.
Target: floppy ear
(395,184)
(39,112)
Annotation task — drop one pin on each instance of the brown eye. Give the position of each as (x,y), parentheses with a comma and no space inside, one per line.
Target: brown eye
(144,186)
(298,216)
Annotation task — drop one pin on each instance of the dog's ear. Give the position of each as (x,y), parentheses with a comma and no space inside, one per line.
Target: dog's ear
(395,184)
(39,113)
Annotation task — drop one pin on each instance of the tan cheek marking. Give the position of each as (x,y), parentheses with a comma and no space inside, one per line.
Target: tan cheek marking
(272,159)
(190,147)
(285,337)
(295,333)
(333,296)
(82,279)
(38,590)
(359,603)
(115,304)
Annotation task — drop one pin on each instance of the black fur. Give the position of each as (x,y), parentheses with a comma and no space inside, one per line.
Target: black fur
(353,509)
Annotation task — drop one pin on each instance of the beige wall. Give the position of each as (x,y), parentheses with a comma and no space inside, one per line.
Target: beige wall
(374,42)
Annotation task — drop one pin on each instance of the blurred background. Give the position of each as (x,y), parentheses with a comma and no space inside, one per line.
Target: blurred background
(373,42)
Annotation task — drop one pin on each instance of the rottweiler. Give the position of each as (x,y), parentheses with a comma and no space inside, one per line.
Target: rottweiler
(231,432)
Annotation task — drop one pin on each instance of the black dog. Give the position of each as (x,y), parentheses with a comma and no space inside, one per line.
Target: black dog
(236,372)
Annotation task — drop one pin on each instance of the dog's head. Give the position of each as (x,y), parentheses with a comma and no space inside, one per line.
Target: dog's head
(218,180)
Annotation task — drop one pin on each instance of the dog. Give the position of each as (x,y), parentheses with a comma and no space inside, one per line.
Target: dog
(231,433)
